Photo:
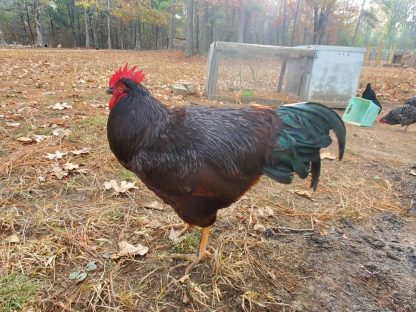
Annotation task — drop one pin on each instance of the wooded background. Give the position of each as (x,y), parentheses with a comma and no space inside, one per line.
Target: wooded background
(191,25)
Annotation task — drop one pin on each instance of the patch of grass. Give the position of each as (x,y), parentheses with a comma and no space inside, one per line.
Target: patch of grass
(188,245)
(97,121)
(127,175)
(244,94)
(43,131)
(3,150)
(16,291)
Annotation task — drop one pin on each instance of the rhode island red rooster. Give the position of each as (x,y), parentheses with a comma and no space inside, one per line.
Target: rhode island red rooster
(200,159)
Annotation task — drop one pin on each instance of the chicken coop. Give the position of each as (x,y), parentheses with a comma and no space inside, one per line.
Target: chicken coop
(244,73)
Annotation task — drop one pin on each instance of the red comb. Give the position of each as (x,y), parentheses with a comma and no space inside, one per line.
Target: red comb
(124,72)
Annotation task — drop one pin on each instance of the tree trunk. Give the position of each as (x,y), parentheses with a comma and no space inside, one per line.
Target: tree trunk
(137,37)
(22,20)
(36,9)
(283,27)
(159,37)
(30,26)
(108,25)
(321,17)
(171,24)
(295,22)
(120,36)
(51,40)
(189,27)
(94,34)
(358,23)
(242,22)
(71,21)
(2,40)
(87,31)
(204,39)
(195,30)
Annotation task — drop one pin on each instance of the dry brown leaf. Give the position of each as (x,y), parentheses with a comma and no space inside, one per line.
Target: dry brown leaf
(154,224)
(70,166)
(305,194)
(153,205)
(13,124)
(25,140)
(327,155)
(58,172)
(174,235)
(12,239)
(84,150)
(60,106)
(40,137)
(259,228)
(122,188)
(61,132)
(268,211)
(127,249)
(56,155)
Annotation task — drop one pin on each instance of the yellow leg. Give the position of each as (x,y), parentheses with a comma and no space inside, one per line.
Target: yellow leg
(202,249)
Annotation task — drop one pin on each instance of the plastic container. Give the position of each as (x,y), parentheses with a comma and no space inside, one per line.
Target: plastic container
(360,112)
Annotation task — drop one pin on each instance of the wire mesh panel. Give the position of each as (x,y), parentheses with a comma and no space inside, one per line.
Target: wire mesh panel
(251,73)
(274,75)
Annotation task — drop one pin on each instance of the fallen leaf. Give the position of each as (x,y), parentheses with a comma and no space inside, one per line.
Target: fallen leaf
(58,172)
(60,106)
(327,155)
(110,184)
(174,234)
(78,276)
(305,194)
(268,211)
(61,132)
(70,166)
(122,188)
(13,124)
(154,224)
(259,228)
(25,140)
(91,266)
(153,205)
(40,137)
(127,249)
(12,239)
(84,150)
(56,155)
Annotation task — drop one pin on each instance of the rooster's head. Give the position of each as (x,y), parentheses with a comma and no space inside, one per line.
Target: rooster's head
(117,87)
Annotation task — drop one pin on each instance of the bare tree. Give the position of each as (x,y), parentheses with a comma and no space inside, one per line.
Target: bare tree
(36,10)
(321,17)
(354,38)
(87,31)
(108,25)
(295,22)
(189,27)
(2,40)
(242,21)
(171,23)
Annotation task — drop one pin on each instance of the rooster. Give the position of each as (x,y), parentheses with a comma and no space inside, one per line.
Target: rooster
(200,159)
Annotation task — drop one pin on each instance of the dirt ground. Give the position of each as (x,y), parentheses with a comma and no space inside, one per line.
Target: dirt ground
(351,246)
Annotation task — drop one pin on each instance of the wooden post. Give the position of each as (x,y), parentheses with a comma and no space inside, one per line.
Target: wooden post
(282,74)
(379,54)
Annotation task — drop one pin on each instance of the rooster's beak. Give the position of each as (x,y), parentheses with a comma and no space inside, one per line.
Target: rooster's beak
(109,91)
